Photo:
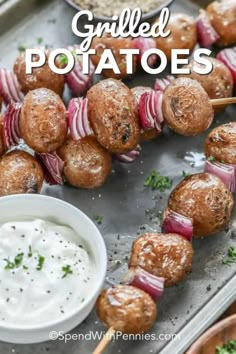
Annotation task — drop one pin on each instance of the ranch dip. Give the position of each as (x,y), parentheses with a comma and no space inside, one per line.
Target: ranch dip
(45,272)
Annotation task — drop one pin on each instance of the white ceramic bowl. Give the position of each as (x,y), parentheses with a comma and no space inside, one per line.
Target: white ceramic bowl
(27,206)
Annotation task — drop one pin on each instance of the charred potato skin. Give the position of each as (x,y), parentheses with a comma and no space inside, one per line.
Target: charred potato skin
(20,173)
(126,309)
(164,255)
(114,44)
(113,116)
(42,77)
(183,34)
(87,163)
(186,107)
(204,198)
(221,143)
(150,134)
(217,84)
(43,120)
(222,15)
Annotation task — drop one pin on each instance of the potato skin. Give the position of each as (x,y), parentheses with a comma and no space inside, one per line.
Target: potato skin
(222,15)
(114,44)
(165,255)
(42,77)
(126,309)
(221,143)
(87,163)
(204,198)
(186,107)
(43,120)
(150,134)
(218,84)
(183,34)
(113,117)
(20,173)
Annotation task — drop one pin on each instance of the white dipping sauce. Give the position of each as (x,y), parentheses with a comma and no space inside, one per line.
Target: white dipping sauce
(29,296)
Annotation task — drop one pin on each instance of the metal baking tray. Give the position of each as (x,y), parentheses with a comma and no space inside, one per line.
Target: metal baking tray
(128,209)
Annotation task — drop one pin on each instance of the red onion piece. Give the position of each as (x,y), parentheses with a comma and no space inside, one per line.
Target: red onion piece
(11,124)
(228,57)
(224,171)
(150,110)
(162,84)
(9,87)
(52,166)
(176,223)
(143,44)
(130,157)
(207,35)
(77,81)
(78,118)
(145,281)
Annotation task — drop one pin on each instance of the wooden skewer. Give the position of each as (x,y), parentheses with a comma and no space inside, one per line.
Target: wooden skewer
(105,341)
(223,101)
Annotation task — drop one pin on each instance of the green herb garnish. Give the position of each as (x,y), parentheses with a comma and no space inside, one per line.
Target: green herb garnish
(231,256)
(156,181)
(229,348)
(63,59)
(98,219)
(40,40)
(126,109)
(9,265)
(16,263)
(21,48)
(67,270)
(41,260)
(30,253)
(211,158)
(185,174)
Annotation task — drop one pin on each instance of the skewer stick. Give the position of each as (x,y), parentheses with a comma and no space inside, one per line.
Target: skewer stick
(223,101)
(105,341)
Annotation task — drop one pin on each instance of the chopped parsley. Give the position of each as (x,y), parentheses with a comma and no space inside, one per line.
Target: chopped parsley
(41,260)
(231,256)
(30,253)
(66,270)
(98,219)
(185,174)
(211,158)
(16,263)
(21,48)
(63,59)
(156,181)
(229,348)
(40,40)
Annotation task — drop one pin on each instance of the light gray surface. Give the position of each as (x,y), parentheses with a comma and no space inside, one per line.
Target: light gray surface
(129,209)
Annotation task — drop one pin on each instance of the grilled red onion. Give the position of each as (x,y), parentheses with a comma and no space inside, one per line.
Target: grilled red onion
(130,156)
(52,166)
(176,223)
(9,87)
(145,281)
(228,57)
(207,35)
(224,171)
(143,44)
(162,84)
(11,124)
(150,110)
(78,118)
(77,81)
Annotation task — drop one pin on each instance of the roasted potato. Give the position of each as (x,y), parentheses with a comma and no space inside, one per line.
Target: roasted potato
(165,255)
(217,84)
(43,120)
(183,34)
(20,173)
(126,309)
(222,15)
(87,163)
(42,77)
(204,198)
(221,143)
(186,107)
(113,116)
(114,44)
